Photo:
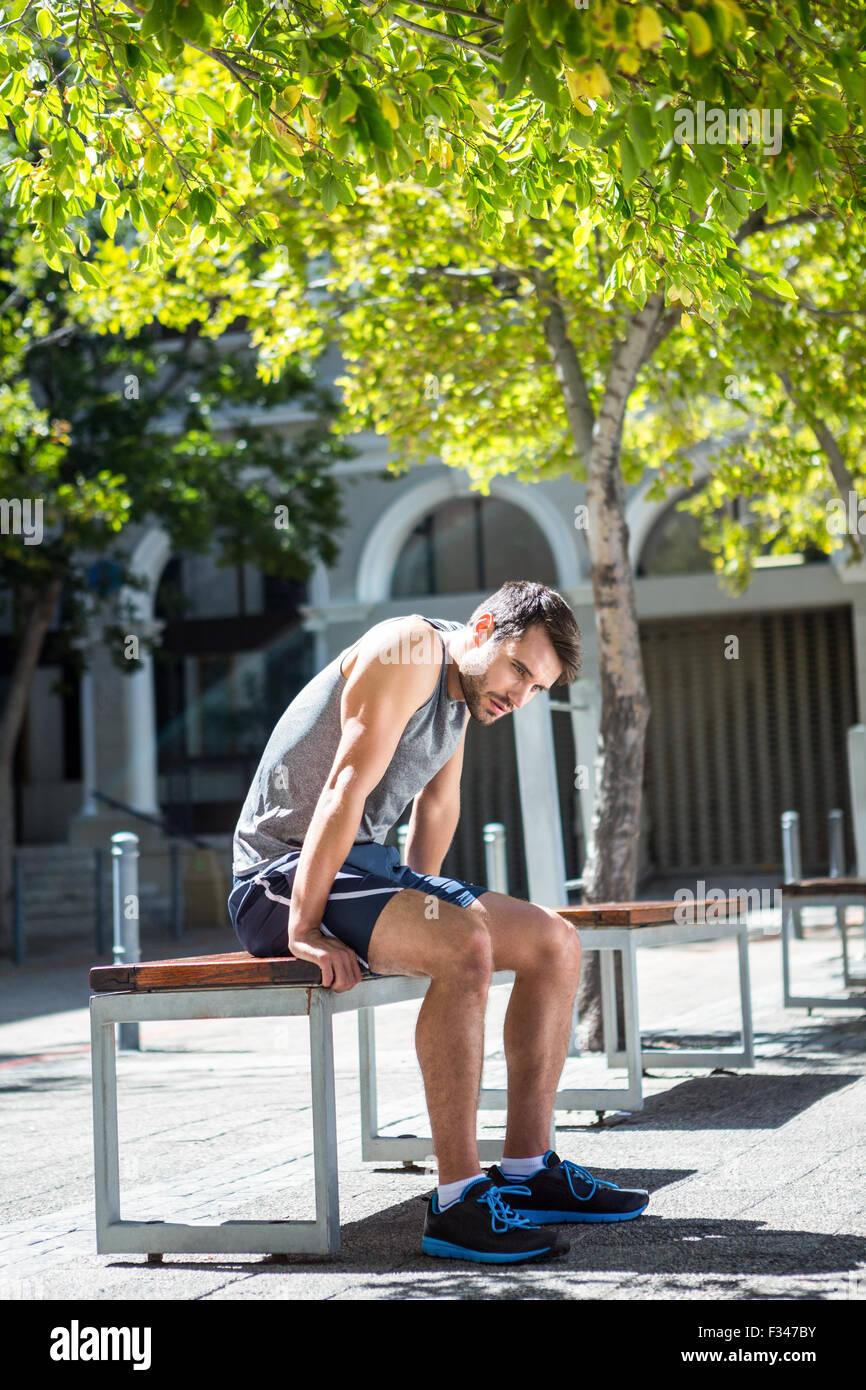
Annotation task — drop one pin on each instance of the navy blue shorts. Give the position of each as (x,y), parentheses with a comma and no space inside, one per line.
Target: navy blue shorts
(369,878)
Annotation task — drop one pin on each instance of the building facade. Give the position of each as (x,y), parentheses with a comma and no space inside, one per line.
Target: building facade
(739,731)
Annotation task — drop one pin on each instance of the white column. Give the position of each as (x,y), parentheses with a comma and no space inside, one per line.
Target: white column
(857,779)
(585,721)
(539,803)
(140,724)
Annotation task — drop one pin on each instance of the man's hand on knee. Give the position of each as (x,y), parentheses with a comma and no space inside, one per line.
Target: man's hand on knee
(337,962)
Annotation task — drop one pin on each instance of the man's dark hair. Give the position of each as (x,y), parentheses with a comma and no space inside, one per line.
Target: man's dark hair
(521,604)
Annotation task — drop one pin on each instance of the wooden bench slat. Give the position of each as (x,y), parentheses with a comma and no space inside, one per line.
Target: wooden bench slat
(240,968)
(230,968)
(651,914)
(824,887)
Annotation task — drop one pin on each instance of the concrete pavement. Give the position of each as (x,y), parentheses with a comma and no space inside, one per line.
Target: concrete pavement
(756,1177)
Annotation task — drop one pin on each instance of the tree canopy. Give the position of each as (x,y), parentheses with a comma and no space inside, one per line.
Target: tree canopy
(667,124)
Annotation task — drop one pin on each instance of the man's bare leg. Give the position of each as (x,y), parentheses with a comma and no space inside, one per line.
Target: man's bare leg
(454,950)
(544,951)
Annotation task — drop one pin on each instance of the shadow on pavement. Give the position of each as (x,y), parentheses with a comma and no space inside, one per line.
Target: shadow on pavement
(734,1100)
(383,1252)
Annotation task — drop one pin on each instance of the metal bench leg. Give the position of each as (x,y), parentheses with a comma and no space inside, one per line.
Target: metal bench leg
(609,1010)
(842,924)
(746,997)
(369,1096)
(106,1165)
(632,1021)
(324,1121)
(787,926)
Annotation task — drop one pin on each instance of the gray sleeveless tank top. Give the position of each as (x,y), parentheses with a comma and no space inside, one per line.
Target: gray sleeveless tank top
(300,753)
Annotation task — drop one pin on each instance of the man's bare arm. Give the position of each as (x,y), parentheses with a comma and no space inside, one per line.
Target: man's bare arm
(378,700)
(434,818)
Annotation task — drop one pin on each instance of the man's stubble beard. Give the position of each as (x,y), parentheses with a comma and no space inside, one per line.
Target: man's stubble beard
(472,675)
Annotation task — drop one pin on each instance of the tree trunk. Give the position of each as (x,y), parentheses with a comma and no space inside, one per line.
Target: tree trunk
(37,607)
(610,873)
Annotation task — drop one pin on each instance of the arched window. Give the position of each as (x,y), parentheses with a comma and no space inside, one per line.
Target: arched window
(673,545)
(469,544)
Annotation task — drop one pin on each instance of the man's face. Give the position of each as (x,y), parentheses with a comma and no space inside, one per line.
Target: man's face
(498,677)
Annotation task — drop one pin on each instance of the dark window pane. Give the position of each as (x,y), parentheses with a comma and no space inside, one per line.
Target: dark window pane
(470,544)
(514,547)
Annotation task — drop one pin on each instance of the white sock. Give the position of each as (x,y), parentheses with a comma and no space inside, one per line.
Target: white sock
(521,1167)
(451,1192)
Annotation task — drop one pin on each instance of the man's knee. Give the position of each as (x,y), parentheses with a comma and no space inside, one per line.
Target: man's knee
(558,944)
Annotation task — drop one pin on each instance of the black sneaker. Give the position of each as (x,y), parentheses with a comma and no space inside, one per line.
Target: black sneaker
(481,1226)
(562,1191)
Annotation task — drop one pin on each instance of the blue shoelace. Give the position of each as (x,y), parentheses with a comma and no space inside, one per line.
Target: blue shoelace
(570,1168)
(500,1211)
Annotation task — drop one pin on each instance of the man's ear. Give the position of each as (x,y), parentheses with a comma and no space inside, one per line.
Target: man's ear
(484,628)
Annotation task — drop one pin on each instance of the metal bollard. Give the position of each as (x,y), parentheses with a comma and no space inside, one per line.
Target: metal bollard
(836,843)
(791,861)
(127,945)
(177,903)
(495,857)
(402,837)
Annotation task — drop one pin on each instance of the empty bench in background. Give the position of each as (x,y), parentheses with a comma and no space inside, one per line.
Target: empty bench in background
(839,894)
(623,927)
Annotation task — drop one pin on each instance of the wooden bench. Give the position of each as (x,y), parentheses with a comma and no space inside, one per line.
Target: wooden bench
(237,985)
(840,894)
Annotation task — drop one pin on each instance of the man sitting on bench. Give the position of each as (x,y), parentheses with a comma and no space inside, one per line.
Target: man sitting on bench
(383,723)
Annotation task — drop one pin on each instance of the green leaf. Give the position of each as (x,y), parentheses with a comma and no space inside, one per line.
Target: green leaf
(697,185)
(45,22)
(516,22)
(212,109)
(544,84)
(347,102)
(699,33)
(108,218)
(513,59)
(832,113)
(203,205)
(189,21)
(260,155)
(642,133)
(542,18)
(629,161)
(780,286)
(575,36)
(380,131)
(345,193)
(330,193)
